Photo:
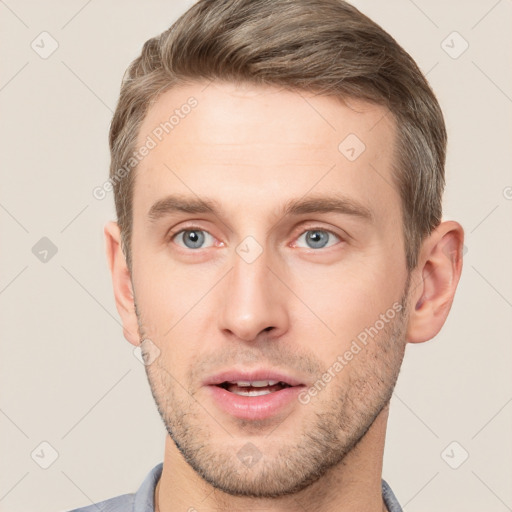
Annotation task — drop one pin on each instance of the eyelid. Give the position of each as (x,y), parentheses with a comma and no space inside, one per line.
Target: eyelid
(304,231)
(315,227)
(181,243)
(173,230)
(173,233)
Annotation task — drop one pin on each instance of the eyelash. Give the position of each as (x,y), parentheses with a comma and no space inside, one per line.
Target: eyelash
(197,228)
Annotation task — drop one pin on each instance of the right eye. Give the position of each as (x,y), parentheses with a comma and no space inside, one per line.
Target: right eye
(193,238)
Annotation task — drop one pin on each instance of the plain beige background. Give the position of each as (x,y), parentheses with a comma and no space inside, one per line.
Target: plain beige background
(67,376)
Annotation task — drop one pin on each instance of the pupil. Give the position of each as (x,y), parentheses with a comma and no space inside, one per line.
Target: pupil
(194,239)
(317,239)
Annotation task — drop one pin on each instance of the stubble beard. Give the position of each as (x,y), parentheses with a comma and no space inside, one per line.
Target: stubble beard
(336,425)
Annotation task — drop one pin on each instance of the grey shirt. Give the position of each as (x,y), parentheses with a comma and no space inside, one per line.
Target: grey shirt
(143,499)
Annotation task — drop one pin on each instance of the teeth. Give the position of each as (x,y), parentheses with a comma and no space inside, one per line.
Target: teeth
(252,392)
(256,383)
(263,383)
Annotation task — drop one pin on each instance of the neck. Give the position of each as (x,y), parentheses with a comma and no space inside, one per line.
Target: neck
(353,484)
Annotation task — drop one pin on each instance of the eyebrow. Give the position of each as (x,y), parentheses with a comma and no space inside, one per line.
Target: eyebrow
(316,204)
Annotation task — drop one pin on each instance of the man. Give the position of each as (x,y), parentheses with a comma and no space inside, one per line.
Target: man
(278,169)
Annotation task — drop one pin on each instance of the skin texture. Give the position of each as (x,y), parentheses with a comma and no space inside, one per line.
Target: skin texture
(294,308)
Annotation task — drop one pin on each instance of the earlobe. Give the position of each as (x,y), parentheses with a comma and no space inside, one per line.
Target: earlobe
(121,282)
(435,281)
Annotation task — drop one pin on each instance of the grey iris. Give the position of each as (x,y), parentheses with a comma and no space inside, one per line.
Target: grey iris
(317,239)
(193,239)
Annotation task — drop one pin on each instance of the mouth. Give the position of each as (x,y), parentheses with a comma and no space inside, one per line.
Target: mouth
(254,388)
(254,395)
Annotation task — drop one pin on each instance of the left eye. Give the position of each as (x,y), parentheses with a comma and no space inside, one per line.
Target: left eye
(193,238)
(318,238)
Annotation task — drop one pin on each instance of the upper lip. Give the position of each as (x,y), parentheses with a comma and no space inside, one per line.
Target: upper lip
(234,375)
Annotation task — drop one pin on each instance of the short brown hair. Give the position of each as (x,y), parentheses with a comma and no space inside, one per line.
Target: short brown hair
(321,46)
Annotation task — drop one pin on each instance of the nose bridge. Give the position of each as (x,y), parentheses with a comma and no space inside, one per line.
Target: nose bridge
(252,299)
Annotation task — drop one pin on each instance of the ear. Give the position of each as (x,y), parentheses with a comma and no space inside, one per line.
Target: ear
(434,281)
(122,283)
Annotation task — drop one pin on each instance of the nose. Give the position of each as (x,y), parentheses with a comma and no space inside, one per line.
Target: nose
(253,301)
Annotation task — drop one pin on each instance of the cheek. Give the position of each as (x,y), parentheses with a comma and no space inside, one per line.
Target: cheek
(165,287)
(174,304)
(347,296)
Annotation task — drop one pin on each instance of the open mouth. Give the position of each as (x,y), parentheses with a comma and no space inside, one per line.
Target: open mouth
(254,395)
(254,388)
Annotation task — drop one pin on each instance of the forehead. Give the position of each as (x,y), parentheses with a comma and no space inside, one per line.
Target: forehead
(255,145)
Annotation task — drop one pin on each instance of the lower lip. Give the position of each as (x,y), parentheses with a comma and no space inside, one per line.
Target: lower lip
(254,407)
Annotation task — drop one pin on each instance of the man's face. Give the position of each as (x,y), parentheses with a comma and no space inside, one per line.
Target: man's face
(256,290)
